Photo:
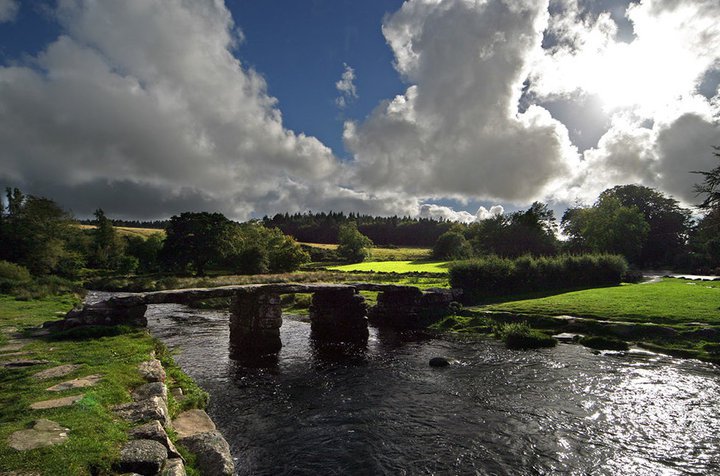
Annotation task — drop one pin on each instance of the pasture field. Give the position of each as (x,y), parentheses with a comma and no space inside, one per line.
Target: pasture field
(669,301)
(384,253)
(395,267)
(130,231)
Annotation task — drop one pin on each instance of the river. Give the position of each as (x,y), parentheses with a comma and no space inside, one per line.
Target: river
(383,410)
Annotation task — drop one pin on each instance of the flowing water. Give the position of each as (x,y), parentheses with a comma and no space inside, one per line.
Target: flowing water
(383,410)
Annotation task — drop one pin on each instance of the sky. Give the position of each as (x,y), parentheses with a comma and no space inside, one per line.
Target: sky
(455,109)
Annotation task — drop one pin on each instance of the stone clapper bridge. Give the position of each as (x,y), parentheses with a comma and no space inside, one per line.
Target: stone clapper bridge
(338,312)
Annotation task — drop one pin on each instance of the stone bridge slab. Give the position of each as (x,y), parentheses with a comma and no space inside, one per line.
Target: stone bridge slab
(338,311)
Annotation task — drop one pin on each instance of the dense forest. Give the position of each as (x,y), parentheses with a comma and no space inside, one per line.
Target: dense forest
(383,231)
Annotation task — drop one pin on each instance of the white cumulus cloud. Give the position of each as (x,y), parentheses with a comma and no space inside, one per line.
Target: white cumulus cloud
(145,99)
(458,130)
(661,126)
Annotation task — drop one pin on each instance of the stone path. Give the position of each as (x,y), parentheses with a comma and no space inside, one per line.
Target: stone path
(60,371)
(24,363)
(56,403)
(43,433)
(12,346)
(81,382)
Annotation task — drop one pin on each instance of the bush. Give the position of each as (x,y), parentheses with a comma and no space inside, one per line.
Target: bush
(452,245)
(520,336)
(128,264)
(604,343)
(14,272)
(493,276)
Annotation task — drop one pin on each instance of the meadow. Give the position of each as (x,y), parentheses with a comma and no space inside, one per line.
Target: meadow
(440,267)
(669,301)
(130,231)
(386,253)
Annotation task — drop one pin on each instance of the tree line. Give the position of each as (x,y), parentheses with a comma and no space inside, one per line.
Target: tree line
(642,224)
(39,236)
(383,231)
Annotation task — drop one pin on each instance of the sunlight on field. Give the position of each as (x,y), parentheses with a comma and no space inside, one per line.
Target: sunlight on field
(129,231)
(382,253)
(396,267)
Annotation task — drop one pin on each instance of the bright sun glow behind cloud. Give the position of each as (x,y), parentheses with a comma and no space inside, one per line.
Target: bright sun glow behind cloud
(661,66)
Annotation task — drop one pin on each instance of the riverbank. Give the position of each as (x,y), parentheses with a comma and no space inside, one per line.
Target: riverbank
(676,316)
(74,380)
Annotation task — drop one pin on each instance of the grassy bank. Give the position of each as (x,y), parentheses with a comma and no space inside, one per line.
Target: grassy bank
(96,434)
(675,316)
(670,301)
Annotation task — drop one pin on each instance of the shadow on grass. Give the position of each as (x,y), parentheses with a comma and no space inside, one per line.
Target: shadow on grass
(90,332)
(533,295)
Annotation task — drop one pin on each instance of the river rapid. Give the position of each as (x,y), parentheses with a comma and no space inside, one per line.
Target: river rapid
(383,410)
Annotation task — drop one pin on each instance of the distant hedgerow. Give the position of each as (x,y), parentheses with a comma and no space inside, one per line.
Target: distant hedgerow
(493,276)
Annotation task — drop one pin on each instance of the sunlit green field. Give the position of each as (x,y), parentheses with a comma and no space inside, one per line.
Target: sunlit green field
(380,253)
(668,301)
(396,267)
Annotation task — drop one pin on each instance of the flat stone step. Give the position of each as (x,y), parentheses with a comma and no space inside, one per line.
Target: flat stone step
(81,382)
(55,372)
(24,363)
(12,347)
(43,433)
(56,403)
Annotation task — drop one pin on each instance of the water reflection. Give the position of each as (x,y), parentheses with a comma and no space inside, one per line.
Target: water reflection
(381,409)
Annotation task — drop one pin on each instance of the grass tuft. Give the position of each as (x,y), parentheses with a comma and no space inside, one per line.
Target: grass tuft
(519,336)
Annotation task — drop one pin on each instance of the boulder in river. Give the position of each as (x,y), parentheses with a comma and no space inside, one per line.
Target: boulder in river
(439,362)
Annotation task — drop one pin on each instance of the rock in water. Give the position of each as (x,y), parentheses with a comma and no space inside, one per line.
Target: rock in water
(439,362)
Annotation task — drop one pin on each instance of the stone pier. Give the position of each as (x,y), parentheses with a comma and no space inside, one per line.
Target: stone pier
(410,308)
(339,316)
(255,320)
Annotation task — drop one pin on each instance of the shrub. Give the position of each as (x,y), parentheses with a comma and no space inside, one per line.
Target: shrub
(604,343)
(14,272)
(520,336)
(493,276)
(452,245)
(128,264)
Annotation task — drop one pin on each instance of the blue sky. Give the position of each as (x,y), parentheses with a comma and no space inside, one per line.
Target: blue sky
(304,45)
(445,108)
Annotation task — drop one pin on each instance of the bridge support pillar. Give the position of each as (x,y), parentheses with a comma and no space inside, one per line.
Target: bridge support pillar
(255,320)
(410,308)
(339,316)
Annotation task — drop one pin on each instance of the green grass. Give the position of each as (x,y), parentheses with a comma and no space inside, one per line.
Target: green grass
(670,301)
(520,336)
(395,267)
(385,253)
(219,278)
(96,435)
